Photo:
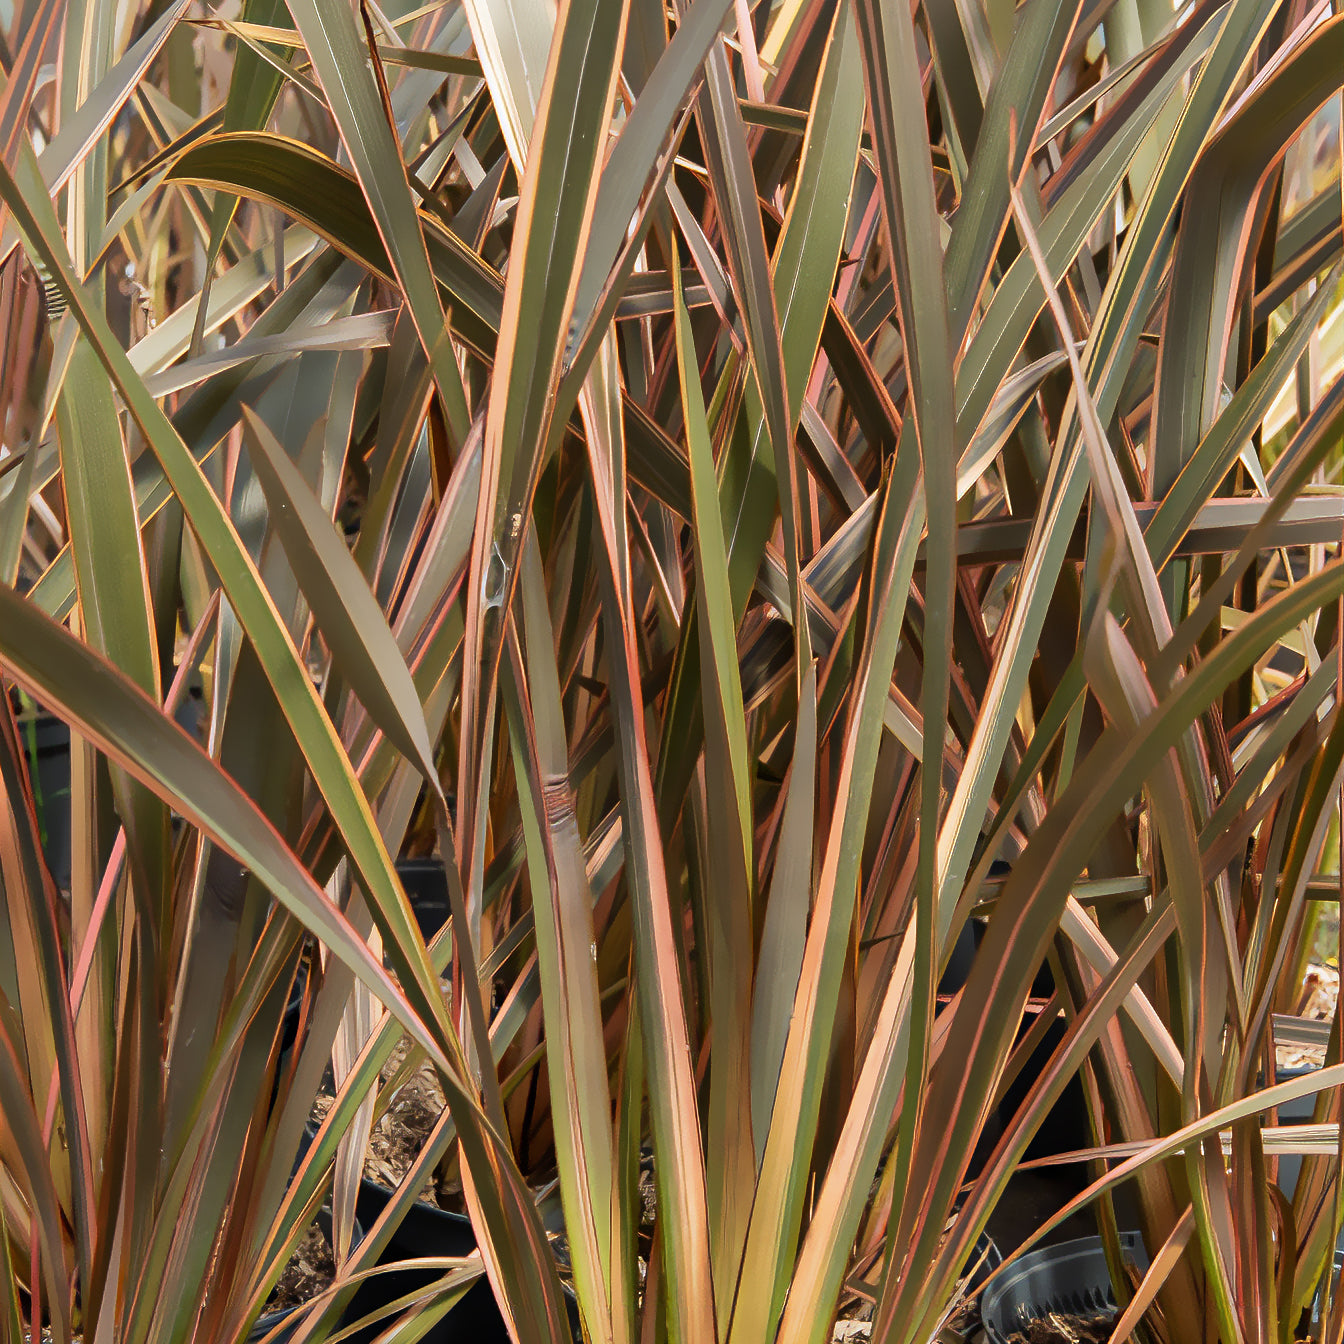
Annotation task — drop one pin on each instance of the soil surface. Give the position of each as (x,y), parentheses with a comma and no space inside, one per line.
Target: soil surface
(403,1130)
(1057,1329)
(311,1269)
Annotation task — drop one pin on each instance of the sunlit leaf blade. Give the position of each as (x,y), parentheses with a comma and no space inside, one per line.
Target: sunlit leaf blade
(555,209)
(727,864)
(1113,337)
(804,265)
(775,1217)
(785,925)
(1030,66)
(566,947)
(21,78)
(253,89)
(985,1012)
(891,74)
(293,176)
(78,133)
(249,597)
(514,41)
(734,184)
(1224,190)
(114,595)
(674,1117)
(1218,448)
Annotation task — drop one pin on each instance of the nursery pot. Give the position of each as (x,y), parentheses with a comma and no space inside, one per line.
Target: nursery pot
(954,977)
(423,1231)
(1064,1127)
(429,1231)
(46,743)
(1070,1278)
(427,890)
(289,1032)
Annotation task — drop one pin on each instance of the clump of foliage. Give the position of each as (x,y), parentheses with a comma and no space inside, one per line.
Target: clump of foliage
(727,478)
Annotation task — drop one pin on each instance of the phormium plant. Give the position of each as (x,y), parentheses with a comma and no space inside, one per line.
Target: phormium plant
(752,488)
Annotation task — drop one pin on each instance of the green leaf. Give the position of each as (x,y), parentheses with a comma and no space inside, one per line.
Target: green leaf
(905,180)
(562,905)
(523,416)
(1217,451)
(804,267)
(642,140)
(728,863)
(1223,191)
(87,51)
(26,1133)
(679,1167)
(358,103)
(768,403)
(348,615)
(513,40)
(108,709)
(784,932)
(713,595)
(361,331)
(1111,342)
(789,1149)
(1027,911)
(113,587)
(1026,77)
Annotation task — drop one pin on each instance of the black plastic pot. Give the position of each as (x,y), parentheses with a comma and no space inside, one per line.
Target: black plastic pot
(954,977)
(289,1031)
(429,1231)
(961,957)
(1069,1278)
(46,742)
(1064,1128)
(427,890)
(268,1322)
